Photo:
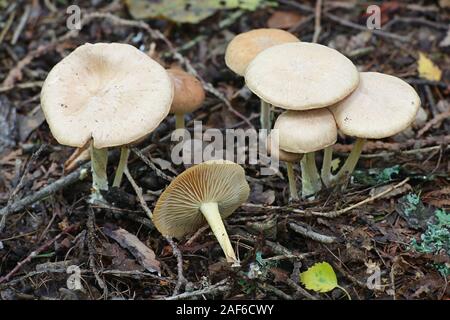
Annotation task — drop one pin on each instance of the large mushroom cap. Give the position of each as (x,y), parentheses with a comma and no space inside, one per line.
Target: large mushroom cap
(110,92)
(245,46)
(380,107)
(306,131)
(301,76)
(177,211)
(189,94)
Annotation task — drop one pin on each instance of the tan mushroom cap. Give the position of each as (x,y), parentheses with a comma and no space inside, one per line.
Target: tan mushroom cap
(306,131)
(245,46)
(177,211)
(380,107)
(189,94)
(109,92)
(301,76)
(284,155)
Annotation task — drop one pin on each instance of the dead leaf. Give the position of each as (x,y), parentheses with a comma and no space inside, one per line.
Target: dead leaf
(144,255)
(427,69)
(284,19)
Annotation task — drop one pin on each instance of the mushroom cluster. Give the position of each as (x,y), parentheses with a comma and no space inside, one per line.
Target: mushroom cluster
(322,92)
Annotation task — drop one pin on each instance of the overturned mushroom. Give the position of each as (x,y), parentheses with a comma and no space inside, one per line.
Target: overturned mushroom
(103,92)
(188,97)
(205,193)
(380,107)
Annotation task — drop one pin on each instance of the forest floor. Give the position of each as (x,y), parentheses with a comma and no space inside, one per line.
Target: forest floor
(395,246)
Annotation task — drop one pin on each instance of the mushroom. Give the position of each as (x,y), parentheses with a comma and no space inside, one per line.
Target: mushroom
(246,46)
(205,193)
(290,158)
(103,93)
(380,107)
(304,132)
(189,95)
(301,76)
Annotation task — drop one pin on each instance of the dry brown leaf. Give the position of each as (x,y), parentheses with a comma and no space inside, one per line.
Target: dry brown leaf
(143,254)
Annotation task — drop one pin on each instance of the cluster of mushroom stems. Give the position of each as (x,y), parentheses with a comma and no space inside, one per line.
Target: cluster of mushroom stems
(118,96)
(322,92)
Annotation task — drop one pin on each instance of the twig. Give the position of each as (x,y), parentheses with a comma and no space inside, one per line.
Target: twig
(196,235)
(274,290)
(147,161)
(437,119)
(311,234)
(15,193)
(219,287)
(334,214)
(317,19)
(43,193)
(7,26)
(299,290)
(345,22)
(22,23)
(90,239)
(330,214)
(370,146)
(33,254)
(177,253)
(139,194)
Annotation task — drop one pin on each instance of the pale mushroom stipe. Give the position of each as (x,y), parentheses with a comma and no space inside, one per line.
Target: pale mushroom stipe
(305,132)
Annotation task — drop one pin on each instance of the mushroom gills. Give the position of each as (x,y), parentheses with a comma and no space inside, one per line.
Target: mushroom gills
(210,211)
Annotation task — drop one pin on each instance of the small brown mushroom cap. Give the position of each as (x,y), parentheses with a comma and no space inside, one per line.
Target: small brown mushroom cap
(301,76)
(245,46)
(177,211)
(111,93)
(380,107)
(284,155)
(306,131)
(189,93)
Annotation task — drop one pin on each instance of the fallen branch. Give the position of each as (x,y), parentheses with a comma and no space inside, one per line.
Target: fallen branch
(311,234)
(48,190)
(217,288)
(330,214)
(177,253)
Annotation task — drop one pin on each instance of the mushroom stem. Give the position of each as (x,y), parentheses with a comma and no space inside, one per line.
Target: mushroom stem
(124,154)
(265,116)
(99,162)
(212,215)
(291,178)
(179,120)
(310,177)
(351,161)
(326,166)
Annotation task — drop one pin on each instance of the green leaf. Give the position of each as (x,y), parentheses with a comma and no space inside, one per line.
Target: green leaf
(320,278)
